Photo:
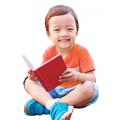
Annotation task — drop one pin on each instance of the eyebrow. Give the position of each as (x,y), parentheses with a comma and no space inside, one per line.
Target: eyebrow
(54,26)
(70,26)
(60,26)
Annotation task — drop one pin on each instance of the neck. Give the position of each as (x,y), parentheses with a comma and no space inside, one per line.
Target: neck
(64,52)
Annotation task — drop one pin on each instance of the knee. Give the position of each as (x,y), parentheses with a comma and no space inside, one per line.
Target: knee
(89,89)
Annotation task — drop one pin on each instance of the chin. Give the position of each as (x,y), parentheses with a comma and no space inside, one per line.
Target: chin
(64,47)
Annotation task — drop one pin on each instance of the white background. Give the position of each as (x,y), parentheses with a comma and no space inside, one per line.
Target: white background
(22,32)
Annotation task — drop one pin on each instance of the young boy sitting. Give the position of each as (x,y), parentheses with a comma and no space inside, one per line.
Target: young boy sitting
(78,83)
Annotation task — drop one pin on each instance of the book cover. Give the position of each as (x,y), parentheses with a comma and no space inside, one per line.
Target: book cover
(48,73)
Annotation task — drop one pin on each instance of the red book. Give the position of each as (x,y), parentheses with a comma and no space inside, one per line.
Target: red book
(48,73)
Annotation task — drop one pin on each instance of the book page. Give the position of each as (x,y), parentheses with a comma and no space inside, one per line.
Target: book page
(28,62)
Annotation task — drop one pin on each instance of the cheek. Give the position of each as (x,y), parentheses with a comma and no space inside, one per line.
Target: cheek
(54,36)
(73,36)
(50,35)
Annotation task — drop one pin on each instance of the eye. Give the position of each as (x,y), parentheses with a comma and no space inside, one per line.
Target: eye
(70,29)
(56,30)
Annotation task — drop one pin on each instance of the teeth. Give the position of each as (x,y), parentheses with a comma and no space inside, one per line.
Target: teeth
(64,40)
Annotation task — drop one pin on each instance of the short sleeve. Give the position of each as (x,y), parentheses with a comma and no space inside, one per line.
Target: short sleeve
(49,53)
(46,56)
(85,61)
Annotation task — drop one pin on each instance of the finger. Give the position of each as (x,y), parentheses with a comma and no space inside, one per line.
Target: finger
(32,78)
(67,75)
(31,75)
(66,71)
(67,79)
(35,78)
(30,71)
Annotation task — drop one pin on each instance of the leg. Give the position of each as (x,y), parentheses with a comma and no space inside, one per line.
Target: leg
(35,91)
(36,106)
(62,110)
(80,96)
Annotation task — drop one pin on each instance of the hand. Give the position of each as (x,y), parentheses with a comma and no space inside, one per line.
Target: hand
(69,75)
(31,75)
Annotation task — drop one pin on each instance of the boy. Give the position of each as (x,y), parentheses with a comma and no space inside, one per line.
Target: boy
(78,87)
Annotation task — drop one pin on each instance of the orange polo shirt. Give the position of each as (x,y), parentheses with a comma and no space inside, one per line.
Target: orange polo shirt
(79,59)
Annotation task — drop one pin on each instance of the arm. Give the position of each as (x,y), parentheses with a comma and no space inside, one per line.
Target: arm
(73,75)
(90,76)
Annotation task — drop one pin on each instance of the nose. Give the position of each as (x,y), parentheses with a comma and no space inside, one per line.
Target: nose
(63,33)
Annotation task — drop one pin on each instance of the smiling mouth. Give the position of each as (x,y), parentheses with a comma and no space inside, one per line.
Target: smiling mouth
(64,40)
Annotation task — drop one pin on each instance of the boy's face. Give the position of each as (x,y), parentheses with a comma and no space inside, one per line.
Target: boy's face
(62,30)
